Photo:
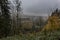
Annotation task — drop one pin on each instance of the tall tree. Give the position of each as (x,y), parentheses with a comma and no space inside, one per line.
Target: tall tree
(18,16)
(5,18)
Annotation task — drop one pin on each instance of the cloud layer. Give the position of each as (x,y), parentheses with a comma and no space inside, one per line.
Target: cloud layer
(40,6)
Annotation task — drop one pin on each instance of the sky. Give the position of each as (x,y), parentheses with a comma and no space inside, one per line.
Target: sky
(39,7)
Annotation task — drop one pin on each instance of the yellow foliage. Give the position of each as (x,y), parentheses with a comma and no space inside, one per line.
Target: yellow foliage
(53,23)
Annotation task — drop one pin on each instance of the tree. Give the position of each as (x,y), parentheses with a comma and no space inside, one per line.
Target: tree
(18,10)
(5,21)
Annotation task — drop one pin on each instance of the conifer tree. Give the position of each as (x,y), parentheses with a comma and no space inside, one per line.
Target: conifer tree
(5,18)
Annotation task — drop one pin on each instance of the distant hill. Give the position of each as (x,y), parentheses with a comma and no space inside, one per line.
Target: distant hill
(53,22)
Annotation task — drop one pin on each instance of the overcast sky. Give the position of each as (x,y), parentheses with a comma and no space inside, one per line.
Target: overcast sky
(39,7)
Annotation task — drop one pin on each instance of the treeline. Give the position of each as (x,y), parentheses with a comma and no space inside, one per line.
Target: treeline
(6,27)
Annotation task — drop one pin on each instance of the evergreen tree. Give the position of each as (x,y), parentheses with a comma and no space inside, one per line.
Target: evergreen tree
(5,20)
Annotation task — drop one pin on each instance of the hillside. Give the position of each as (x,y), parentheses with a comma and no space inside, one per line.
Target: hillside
(53,22)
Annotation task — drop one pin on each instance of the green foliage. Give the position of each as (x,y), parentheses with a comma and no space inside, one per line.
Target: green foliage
(54,35)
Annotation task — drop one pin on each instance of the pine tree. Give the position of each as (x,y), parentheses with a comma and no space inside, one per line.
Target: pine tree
(5,18)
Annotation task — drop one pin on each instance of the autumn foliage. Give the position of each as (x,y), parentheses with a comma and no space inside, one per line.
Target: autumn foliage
(53,22)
